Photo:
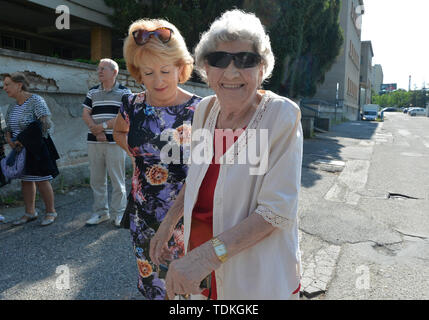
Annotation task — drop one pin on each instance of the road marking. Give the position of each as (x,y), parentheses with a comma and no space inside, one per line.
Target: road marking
(366,143)
(381,138)
(404,132)
(351,180)
(411,154)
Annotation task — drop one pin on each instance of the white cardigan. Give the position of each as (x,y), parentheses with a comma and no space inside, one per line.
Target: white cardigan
(271,269)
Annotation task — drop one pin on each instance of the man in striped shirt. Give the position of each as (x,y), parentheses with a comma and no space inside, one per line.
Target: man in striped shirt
(100,108)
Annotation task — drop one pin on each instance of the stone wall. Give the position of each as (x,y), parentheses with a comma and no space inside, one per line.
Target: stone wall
(64,84)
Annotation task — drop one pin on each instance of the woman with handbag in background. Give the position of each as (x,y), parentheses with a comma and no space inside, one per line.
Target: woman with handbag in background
(27,124)
(3,180)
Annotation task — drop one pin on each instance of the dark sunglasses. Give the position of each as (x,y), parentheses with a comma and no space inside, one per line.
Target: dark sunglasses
(242,60)
(142,36)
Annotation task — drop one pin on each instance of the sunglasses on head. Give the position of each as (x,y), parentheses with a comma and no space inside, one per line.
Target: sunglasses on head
(242,60)
(141,36)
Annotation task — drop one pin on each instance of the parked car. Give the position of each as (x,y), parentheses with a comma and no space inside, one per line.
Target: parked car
(405,110)
(381,113)
(417,112)
(389,110)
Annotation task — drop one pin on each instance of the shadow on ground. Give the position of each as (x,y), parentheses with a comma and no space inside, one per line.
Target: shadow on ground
(327,146)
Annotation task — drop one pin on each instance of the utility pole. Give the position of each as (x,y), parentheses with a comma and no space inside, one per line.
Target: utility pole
(336,100)
(424,96)
(409,84)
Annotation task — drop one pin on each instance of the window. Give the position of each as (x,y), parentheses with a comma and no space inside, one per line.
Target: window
(352,89)
(354,55)
(11,42)
(6,42)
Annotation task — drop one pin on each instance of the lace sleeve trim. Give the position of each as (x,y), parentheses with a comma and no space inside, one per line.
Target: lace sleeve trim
(272,218)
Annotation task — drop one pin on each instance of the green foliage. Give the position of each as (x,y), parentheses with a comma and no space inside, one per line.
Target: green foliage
(401,99)
(305,34)
(306,38)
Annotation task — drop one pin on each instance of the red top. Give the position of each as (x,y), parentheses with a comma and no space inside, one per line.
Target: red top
(202,215)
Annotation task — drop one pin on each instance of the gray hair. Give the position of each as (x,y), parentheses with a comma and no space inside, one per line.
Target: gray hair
(18,77)
(112,63)
(231,26)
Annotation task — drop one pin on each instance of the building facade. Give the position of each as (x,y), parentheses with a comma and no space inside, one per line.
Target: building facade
(341,84)
(365,86)
(62,29)
(377,78)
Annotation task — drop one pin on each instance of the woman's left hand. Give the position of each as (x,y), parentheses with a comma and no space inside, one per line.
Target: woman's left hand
(18,146)
(185,275)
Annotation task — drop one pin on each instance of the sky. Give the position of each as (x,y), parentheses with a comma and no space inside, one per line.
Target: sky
(399,31)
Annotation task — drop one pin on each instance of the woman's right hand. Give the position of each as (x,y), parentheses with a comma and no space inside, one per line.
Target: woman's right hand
(159,252)
(101,137)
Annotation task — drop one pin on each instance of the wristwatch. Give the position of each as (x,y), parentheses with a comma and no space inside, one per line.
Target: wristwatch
(104,124)
(220,249)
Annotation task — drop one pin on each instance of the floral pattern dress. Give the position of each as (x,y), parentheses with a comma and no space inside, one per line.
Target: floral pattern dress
(155,133)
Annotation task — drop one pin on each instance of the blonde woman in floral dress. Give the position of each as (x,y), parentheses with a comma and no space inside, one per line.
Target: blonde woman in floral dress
(149,125)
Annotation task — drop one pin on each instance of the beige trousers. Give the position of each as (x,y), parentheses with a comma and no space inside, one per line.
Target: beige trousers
(107,158)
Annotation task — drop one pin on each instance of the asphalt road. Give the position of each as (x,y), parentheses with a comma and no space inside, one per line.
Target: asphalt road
(356,243)
(379,244)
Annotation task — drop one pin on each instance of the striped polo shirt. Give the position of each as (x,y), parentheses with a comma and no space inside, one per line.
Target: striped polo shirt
(104,105)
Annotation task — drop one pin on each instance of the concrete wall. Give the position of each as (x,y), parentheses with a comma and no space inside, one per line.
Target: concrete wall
(64,84)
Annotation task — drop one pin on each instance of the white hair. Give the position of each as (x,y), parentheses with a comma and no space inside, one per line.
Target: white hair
(112,63)
(231,26)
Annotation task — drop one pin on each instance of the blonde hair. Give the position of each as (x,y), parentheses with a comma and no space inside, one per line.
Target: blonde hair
(174,51)
(18,77)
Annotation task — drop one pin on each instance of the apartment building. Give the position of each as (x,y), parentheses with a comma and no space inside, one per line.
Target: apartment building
(377,78)
(365,86)
(345,73)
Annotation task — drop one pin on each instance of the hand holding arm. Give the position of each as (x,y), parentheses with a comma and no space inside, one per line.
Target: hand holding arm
(184,275)
(95,128)
(159,242)
(101,137)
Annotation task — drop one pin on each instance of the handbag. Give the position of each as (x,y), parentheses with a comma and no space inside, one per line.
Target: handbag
(13,165)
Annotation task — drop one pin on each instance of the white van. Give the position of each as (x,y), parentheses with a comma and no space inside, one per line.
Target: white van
(370,112)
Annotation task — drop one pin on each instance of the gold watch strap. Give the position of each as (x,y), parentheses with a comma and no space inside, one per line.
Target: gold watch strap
(220,249)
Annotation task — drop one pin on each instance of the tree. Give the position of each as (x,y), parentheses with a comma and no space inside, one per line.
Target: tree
(306,39)
(305,34)
(400,99)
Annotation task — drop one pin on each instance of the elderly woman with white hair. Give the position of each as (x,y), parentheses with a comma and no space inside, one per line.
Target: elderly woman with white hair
(241,226)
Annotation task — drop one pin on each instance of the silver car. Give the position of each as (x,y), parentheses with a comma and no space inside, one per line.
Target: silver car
(417,112)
